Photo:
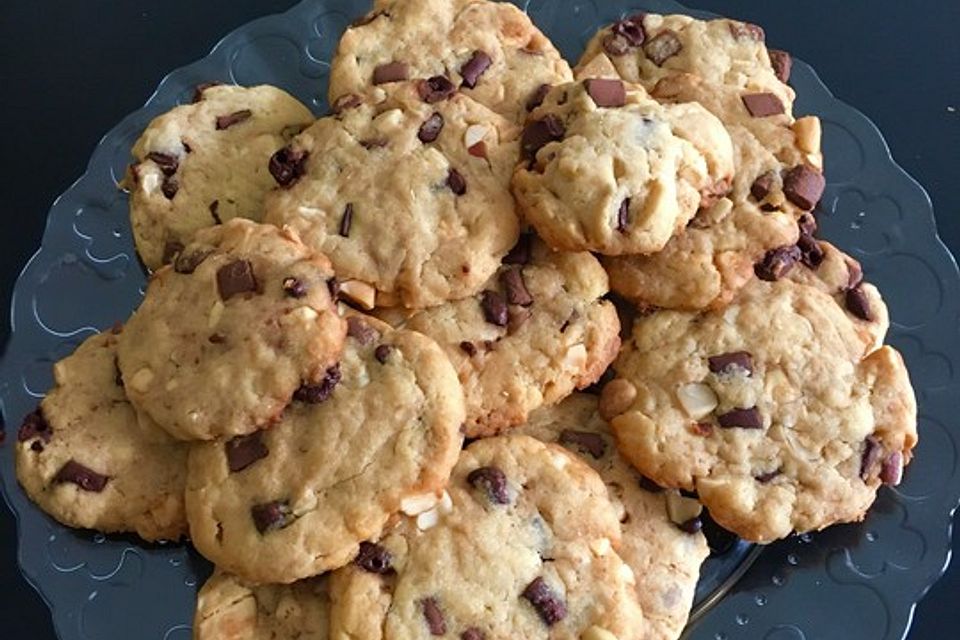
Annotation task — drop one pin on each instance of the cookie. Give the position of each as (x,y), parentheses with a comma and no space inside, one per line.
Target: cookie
(380,437)
(230,609)
(610,170)
(90,460)
(777,410)
(665,555)
(205,163)
(724,66)
(407,192)
(490,50)
(228,333)
(524,548)
(537,331)
(715,255)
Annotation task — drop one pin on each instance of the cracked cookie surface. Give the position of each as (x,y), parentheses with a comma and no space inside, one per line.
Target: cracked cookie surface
(205,163)
(491,50)
(228,333)
(778,410)
(90,460)
(379,436)
(538,331)
(664,558)
(608,169)
(523,549)
(406,190)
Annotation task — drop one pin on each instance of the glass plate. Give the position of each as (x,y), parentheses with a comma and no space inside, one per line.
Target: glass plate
(85,277)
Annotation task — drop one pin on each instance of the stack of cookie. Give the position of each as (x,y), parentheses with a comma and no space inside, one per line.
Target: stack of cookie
(352,382)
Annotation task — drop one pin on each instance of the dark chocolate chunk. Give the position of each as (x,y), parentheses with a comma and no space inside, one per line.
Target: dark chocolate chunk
(214,208)
(390,72)
(227,121)
(766,477)
(516,288)
(34,425)
(473,634)
(870,459)
(623,215)
(243,451)
(435,89)
(456,182)
(747,30)
(493,481)
(359,330)
(761,187)
(373,143)
(373,558)
(662,47)
(761,105)
(475,67)
(431,128)
(854,273)
(171,249)
(782,63)
(494,308)
(217,338)
(858,304)
(344,102)
(891,471)
(288,165)
(649,485)
(271,516)
(200,88)
(346,220)
(294,287)
(803,186)
(807,224)
(188,261)
(741,418)
(585,441)
(606,92)
(84,477)
(548,604)
(615,45)
(693,525)
(236,277)
(382,352)
(631,29)
(776,263)
(37,446)
(167,163)
(169,187)
(540,132)
(317,393)
(536,98)
(811,253)
(434,616)
(731,362)
(520,253)
(468,348)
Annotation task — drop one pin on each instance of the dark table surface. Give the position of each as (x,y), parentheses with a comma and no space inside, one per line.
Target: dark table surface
(69,71)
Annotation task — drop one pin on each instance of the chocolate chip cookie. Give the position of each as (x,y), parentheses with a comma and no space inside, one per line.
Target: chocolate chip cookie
(406,190)
(205,163)
(491,51)
(228,333)
(90,460)
(664,553)
(537,331)
(378,436)
(230,609)
(777,410)
(608,169)
(525,548)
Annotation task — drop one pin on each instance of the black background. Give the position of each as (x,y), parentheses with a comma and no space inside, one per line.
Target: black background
(71,69)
